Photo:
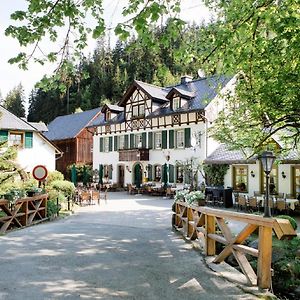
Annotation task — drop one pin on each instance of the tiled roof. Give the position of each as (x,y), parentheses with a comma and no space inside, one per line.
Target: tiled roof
(156,92)
(204,90)
(10,121)
(68,126)
(224,156)
(40,126)
(114,108)
(182,92)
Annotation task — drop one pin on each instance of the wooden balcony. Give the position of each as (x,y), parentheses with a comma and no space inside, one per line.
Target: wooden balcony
(134,154)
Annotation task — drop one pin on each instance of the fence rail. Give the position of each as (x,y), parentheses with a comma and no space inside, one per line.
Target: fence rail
(24,212)
(210,226)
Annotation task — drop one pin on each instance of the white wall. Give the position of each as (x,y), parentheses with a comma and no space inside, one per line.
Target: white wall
(42,153)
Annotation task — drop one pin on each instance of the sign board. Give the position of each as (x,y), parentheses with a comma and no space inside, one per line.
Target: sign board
(39,172)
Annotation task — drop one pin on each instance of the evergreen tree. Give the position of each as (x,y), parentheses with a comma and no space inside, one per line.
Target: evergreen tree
(14,101)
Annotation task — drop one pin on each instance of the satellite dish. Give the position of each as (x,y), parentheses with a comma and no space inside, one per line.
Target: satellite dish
(201,73)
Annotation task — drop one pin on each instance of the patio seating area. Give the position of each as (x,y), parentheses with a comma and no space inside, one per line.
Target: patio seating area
(279,204)
(156,189)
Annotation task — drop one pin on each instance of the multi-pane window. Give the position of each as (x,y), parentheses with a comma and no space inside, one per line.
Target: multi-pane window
(273,181)
(138,140)
(157,140)
(106,144)
(15,139)
(240,178)
(180,139)
(138,110)
(297,181)
(179,174)
(121,142)
(176,103)
(157,173)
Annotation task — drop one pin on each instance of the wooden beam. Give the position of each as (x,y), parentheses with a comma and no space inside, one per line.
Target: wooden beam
(210,228)
(264,257)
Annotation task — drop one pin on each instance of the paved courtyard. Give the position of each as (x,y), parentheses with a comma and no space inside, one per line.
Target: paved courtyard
(124,249)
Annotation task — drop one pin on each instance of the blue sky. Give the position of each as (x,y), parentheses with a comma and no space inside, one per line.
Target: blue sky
(11,75)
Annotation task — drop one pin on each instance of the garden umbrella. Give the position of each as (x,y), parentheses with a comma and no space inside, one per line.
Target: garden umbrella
(85,176)
(165,175)
(100,174)
(74,175)
(138,177)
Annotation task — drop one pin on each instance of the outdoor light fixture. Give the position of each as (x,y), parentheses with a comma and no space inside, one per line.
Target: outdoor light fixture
(267,159)
(127,168)
(283,174)
(252,174)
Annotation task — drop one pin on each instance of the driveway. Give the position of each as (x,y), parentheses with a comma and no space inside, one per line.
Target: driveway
(124,249)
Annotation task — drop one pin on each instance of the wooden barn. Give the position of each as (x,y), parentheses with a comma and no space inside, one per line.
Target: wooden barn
(70,134)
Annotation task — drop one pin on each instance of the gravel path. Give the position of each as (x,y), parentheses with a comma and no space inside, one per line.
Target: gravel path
(124,249)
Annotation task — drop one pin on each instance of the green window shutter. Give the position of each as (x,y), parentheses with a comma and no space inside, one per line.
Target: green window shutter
(150,178)
(115,143)
(101,144)
(171,173)
(150,140)
(144,137)
(187,137)
(110,171)
(3,136)
(171,139)
(110,142)
(164,144)
(28,139)
(131,141)
(126,146)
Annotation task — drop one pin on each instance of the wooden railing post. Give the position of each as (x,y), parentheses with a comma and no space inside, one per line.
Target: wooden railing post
(210,227)
(264,257)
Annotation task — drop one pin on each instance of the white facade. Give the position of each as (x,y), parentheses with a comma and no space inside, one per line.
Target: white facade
(41,153)
(167,129)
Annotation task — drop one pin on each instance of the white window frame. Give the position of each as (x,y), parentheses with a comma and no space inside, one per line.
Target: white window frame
(180,138)
(157,140)
(122,142)
(106,144)
(14,142)
(176,102)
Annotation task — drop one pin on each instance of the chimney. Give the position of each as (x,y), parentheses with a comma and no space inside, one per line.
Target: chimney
(185,79)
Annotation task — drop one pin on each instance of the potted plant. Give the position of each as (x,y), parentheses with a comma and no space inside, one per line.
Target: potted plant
(196,197)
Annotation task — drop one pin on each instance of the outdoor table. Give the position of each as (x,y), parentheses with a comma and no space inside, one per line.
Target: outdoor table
(292,203)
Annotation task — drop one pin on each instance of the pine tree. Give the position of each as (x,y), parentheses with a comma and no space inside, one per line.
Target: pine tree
(14,101)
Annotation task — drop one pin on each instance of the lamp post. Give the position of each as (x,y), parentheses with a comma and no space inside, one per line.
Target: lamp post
(267,159)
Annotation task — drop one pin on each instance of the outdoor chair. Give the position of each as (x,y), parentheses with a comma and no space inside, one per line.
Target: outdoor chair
(280,195)
(242,203)
(281,206)
(95,197)
(170,193)
(253,204)
(209,200)
(85,198)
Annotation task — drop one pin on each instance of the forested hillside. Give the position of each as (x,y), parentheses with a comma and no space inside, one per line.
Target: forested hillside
(106,74)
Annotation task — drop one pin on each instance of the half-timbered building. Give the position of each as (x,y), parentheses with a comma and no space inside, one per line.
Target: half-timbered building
(152,126)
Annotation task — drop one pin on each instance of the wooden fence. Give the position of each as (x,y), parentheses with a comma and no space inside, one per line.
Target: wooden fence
(210,225)
(24,212)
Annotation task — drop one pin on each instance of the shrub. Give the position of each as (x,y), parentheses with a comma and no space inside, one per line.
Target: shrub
(292,220)
(53,176)
(65,187)
(52,208)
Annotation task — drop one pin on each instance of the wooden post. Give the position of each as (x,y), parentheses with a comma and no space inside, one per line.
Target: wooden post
(210,227)
(264,257)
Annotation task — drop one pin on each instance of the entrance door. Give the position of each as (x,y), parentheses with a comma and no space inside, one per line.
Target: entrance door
(138,176)
(121,172)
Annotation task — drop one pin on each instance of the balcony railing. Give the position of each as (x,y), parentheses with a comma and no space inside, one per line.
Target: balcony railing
(134,154)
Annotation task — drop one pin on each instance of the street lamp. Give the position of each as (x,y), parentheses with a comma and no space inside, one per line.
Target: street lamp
(267,159)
